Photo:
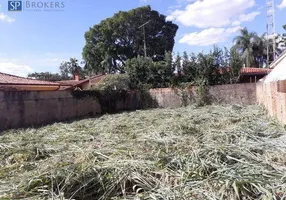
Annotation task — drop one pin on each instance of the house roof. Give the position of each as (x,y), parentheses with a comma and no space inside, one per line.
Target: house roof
(254,71)
(77,83)
(8,79)
(72,82)
(279,70)
(244,71)
(278,60)
(250,71)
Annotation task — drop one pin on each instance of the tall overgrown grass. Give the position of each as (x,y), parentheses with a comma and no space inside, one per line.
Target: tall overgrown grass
(211,152)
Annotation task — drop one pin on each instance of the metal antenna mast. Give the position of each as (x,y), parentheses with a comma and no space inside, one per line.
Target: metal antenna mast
(143,25)
(270,28)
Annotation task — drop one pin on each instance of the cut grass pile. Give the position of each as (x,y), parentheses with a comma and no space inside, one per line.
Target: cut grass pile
(213,152)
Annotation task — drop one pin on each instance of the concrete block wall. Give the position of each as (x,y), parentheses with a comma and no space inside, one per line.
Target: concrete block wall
(228,94)
(167,97)
(234,93)
(26,109)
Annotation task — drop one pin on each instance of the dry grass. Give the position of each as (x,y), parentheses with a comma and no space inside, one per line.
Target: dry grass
(213,152)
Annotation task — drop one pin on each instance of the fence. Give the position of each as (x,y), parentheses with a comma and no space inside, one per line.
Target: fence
(25,109)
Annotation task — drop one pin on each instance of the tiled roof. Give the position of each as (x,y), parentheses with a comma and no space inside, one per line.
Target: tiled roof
(76,83)
(244,71)
(96,78)
(7,79)
(250,71)
(254,71)
(72,82)
(65,87)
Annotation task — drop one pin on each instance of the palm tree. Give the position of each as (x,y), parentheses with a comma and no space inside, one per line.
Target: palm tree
(249,45)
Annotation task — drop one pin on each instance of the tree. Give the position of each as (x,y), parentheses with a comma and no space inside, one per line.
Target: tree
(178,65)
(145,73)
(138,70)
(68,69)
(249,45)
(279,44)
(45,76)
(189,65)
(113,82)
(283,38)
(67,72)
(119,38)
(235,63)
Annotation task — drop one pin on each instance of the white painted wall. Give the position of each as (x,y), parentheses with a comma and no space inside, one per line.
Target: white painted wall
(279,72)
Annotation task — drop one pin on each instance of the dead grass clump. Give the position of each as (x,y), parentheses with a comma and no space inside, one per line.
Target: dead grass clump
(211,152)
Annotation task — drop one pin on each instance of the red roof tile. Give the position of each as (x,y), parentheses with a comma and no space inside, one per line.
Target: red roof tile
(7,79)
(65,87)
(254,71)
(76,83)
(249,71)
(72,82)
(243,71)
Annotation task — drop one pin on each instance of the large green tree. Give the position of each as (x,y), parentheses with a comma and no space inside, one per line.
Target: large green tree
(114,40)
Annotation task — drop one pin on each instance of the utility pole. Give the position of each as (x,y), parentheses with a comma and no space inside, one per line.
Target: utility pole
(143,25)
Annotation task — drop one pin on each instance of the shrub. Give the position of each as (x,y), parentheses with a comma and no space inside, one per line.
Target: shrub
(113,82)
(144,72)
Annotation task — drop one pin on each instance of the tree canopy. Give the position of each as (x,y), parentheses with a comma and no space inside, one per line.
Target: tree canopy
(249,45)
(144,72)
(46,76)
(114,40)
(69,68)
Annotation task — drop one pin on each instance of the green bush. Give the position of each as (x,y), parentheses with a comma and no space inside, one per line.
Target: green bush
(113,82)
(145,73)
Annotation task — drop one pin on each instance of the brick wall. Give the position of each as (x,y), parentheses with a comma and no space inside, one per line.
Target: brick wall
(273,96)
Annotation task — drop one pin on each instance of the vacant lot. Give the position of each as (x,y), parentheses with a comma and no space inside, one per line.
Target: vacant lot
(213,152)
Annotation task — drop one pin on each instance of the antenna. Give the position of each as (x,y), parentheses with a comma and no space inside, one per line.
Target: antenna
(270,31)
(143,25)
